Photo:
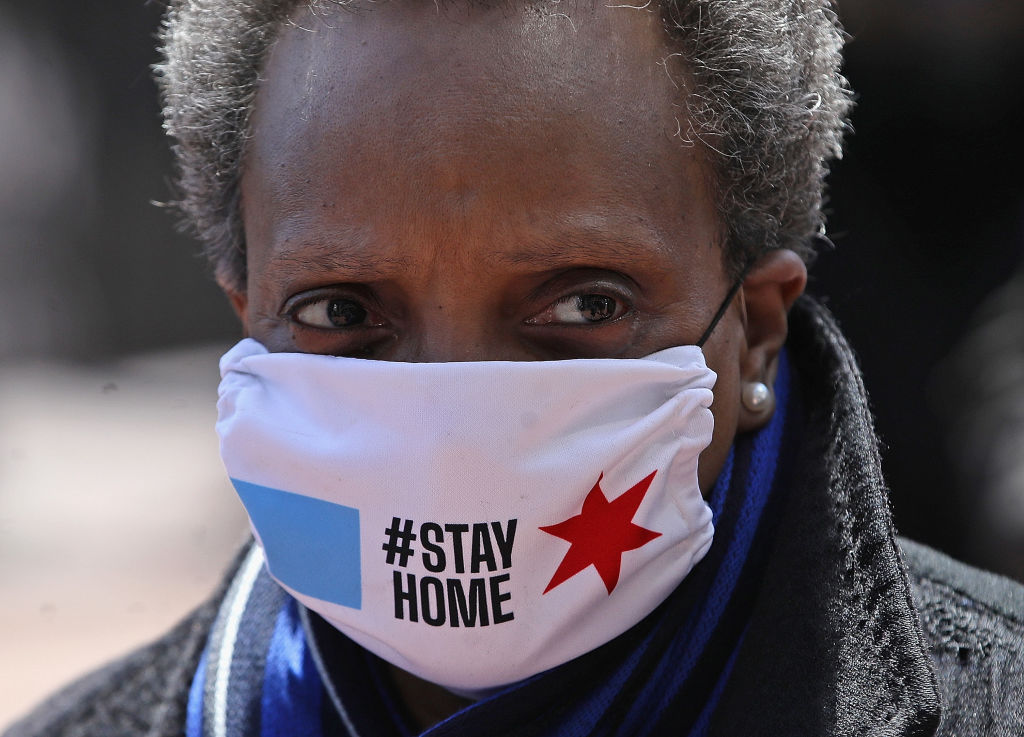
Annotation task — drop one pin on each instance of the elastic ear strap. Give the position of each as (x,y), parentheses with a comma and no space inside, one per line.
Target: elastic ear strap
(725,303)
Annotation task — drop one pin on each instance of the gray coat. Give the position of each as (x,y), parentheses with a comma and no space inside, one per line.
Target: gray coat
(854,633)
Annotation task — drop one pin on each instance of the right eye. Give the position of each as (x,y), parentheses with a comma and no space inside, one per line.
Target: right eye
(332,313)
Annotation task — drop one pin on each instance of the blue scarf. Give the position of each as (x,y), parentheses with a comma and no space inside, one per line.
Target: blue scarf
(273,669)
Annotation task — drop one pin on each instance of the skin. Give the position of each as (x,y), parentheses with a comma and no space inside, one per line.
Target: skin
(449,184)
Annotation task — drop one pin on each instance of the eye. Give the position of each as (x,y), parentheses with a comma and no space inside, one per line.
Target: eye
(581,309)
(331,313)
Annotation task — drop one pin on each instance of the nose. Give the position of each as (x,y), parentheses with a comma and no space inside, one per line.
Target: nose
(452,336)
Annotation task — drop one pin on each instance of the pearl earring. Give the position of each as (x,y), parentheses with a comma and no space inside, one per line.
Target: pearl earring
(755,396)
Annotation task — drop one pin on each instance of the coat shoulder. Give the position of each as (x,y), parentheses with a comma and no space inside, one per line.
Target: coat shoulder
(1002,596)
(974,624)
(143,693)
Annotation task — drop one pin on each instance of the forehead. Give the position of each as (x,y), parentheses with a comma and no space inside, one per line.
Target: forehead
(370,54)
(548,112)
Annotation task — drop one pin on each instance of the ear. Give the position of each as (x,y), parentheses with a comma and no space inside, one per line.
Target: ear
(238,299)
(769,290)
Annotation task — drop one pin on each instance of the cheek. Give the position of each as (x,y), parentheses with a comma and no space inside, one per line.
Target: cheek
(726,412)
(725,408)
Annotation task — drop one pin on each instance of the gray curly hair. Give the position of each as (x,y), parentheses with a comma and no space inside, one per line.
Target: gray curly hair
(764,96)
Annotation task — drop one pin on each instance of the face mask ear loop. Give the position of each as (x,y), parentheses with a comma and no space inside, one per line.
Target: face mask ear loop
(725,304)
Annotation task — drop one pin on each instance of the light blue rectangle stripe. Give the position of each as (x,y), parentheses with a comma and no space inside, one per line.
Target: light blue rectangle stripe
(311,545)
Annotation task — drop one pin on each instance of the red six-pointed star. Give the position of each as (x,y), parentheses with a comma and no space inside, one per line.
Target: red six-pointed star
(601,533)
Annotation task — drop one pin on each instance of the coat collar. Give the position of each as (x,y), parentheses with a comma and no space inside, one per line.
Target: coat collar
(834,646)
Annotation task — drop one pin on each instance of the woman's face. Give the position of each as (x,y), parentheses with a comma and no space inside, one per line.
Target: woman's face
(485,184)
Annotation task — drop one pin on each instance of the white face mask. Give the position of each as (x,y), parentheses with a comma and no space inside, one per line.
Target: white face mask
(472,523)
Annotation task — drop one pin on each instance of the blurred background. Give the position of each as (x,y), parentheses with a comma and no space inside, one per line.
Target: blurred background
(115,518)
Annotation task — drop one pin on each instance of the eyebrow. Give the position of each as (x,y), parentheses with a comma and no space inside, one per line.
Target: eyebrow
(577,244)
(338,256)
(583,244)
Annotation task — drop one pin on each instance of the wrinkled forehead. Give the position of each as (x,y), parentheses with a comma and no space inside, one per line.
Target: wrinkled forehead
(490,34)
(470,63)
(452,94)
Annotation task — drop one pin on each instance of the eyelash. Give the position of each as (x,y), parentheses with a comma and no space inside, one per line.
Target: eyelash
(578,301)
(551,334)
(622,308)
(296,305)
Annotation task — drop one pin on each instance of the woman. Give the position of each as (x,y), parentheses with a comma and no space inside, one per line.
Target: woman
(488,527)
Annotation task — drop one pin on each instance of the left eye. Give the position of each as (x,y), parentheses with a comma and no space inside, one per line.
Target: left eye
(581,309)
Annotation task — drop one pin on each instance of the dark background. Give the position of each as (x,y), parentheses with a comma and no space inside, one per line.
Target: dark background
(927,212)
